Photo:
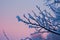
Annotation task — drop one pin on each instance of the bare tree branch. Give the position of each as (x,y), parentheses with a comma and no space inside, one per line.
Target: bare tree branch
(45,22)
(5,35)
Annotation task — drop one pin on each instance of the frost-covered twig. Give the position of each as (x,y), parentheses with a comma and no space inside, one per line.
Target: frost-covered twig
(46,22)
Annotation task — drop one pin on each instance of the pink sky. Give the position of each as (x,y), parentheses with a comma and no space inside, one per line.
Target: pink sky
(8,22)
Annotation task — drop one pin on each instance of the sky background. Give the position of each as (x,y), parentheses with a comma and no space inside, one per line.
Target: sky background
(9,9)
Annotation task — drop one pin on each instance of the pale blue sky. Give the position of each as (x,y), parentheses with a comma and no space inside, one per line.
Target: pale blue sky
(7,5)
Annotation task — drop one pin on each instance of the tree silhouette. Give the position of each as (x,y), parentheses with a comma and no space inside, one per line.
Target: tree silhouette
(47,21)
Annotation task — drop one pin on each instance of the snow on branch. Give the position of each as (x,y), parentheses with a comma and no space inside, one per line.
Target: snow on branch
(44,22)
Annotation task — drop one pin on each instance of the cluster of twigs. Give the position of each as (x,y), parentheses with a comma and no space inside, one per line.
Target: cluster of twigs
(47,21)
(44,22)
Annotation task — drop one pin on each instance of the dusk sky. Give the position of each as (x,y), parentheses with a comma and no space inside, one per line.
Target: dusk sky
(9,9)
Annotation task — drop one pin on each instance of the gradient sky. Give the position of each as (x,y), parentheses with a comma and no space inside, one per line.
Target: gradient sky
(9,9)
